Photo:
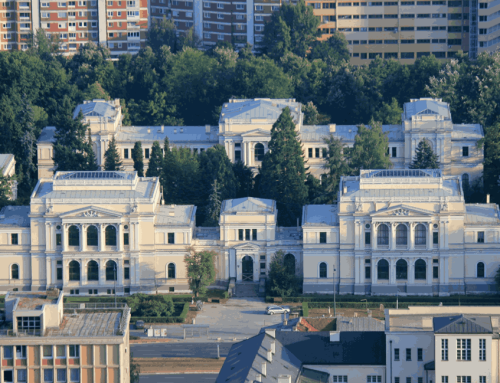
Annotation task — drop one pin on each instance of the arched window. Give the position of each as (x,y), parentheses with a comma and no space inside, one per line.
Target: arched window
(401,269)
(290,264)
(110,236)
(92,236)
(111,271)
(420,235)
(74,271)
(14,271)
(465,181)
(383,235)
(259,152)
(420,269)
(322,270)
(73,236)
(401,235)
(171,270)
(480,270)
(383,269)
(92,271)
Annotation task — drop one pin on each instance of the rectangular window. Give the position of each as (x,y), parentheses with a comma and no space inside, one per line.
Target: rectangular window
(463,349)
(465,151)
(435,272)
(21,376)
(47,352)
(20,352)
(374,379)
(482,379)
(61,375)
(367,238)
(240,235)
(74,375)
(28,323)
(247,234)
(394,152)
(396,379)
(463,379)
(48,375)
(61,351)
(396,354)
(310,152)
(420,354)
(444,349)
(368,273)
(125,239)
(14,239)
(254,234)
(59,273)
(125,153)
(420,380)
(317,152)
(435,238)
(74,351)
(408,380)
(444,379)
(408,354)
(482,349)
(171,238)
(146,153)
(480,237)
(322,237)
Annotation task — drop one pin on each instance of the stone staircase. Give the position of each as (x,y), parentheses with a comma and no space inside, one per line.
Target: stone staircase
(247,289)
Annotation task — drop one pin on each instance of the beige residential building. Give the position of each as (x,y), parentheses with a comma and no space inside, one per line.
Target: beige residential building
(52,342)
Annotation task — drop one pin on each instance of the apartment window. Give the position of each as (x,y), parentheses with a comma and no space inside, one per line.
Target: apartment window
(240,6)
(408,380)
(420,354)
(220,6)
(126,239)
(206,25)
(322,237)
(126,273)
(396,379)
(465,151)
(482,349)
(374,379)
(74,374)
(483,5)
(220,16)
(423,16)
(171,238)
(368,272)
(74,351)
(20,352)
(420,380)
(463,349)
(408,16)
(259,8)
(21,375)
(480,237)
(275,8)
(455,42)
(61,374)
(407,55)
(435,272)
(408,354)
(396,354)
(241,234)
(48,375)
(463,379)
(59,274)
(47,352)
(390,16)
(482,379)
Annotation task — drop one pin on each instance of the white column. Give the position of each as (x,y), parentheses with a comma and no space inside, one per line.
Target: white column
(252,152)
(446,234)
(53,236)
(411,271)
(441,270)
(446,270)
(119,270)
(429,236)
(54,271)
(356,235)
(362,236)
(131,239)
(102,238)
(393,236)
(48,271)
(137,271)
(83,243)
(412,236)
(374,271)
(65,237)
(374,237)
(65,273)
(102,271)
(83,274)
(429,271)
(47,236)
(392,271)
(119,239)
(136,226)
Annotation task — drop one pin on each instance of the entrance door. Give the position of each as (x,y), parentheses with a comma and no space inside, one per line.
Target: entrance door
(247,266)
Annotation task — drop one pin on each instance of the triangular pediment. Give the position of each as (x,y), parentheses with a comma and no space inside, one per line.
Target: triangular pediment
(403,211)
(257,133)
(91,212)
(247,246)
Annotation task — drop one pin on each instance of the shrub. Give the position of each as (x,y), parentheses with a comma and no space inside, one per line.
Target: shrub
(225,295)
(305,309)
(142,305)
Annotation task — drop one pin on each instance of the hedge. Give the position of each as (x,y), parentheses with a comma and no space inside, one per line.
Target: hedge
(178,319)
(451,300)
(305,309)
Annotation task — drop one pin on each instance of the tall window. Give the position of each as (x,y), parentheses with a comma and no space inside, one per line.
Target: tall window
(480,270)
(92,271)
(420,235)
(383,269)
(259,152)
(465,181)
(482,349)
(420,269)
(92,236)
(14,271)
(73,236)
(444,349)
(110,236)
(111,271)
(322,270)
(171,270)
(322,237)
(480,237)
(463,349)
(396,354)
(408,354)
(383,235)
(401,235)
(74,271)
(401,269)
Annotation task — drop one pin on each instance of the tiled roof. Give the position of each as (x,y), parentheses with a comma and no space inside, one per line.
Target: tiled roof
(15,216)
(461,324)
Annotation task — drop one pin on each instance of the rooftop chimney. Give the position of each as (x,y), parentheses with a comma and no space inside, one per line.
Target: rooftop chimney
(334,336)
(487,198)
(333,128)
(273,347)
(149,131)
(175,131)
(162,129)
(269,355)
(282,378)
(258,378)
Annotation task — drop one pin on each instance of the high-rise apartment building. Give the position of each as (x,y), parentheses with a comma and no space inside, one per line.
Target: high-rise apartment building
(121,25)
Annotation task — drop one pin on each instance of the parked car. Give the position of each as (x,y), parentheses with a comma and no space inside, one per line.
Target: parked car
(271,310)
(139,324)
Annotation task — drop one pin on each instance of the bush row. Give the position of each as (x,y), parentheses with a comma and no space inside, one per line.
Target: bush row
(451,300)
(305,309)
(387,305)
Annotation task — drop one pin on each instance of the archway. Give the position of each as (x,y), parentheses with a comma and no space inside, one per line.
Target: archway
(401,235)
(290,264)
(247,268)
(74,271)
(259,152)
(401,269)
(73,236)
(382,269)
(171,271)
(110,236)
(92,271)
(92,236)
(111,271)
(420,269)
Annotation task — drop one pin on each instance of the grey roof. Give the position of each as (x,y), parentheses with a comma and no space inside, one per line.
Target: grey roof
(426,106)
(270,109)
(359,324)
(405,173)
(5,159)
(15,216)
(175,215)
(320,215)
(481,214)
(98,109)
(175,134)
(467,132)
(461,324)
(47,134)
(346,132)
(248,204)
(93,175)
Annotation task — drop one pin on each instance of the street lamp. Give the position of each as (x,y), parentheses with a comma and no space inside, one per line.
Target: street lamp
(365,300)
(114,269)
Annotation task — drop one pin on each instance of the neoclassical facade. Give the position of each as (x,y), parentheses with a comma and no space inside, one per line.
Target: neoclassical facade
(244,129)
(391,231)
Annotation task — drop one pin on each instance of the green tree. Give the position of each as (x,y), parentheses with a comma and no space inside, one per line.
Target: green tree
(497,279)
(310,114)
(5,189)
(283,173)
(333,51)
(292,28)
(491,171)
(244,179)
(28,158)
(315,190)
(112,158)
(370,149)
(71,149)
(215,165)
(155,166)
(213,208)
(43,44)
(91,159)
(200,267)
(134,369)
(281,281)
(425,158)
(163,32)
(138,158)
(95,91)
(389,113)
(336,167)
(183,180)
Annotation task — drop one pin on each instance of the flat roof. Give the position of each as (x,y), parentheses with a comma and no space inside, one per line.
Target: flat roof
(175,215)
(320,215)
(101,324)
(15,216)
(32,300)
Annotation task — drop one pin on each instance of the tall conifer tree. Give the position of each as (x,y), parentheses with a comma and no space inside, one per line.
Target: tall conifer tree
(155,165)
(213,207)
(425,158)
(138,157)
(283,174)
(112,158)
(336,166)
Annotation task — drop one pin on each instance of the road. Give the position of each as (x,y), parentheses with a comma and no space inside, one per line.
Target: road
(179,350)
(178,378)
